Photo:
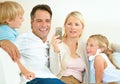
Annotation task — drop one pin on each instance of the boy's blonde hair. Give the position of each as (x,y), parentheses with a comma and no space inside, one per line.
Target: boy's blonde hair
(9,10)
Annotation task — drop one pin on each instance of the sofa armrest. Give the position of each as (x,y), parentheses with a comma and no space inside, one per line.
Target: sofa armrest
(115,47)
(9,71)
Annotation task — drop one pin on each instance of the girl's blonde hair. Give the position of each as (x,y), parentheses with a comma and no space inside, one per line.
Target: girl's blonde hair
(9,10)
(75,14)
(103,43)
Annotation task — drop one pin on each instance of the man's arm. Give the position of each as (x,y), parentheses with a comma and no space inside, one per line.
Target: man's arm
(10,48)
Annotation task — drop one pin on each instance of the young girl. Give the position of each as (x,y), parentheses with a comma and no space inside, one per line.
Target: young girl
(11,17)
(102,67)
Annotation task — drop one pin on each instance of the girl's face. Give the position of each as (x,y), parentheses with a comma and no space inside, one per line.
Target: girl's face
(16,23)
(91,47)
(73,27)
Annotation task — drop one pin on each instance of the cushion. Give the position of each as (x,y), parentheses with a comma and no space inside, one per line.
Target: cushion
(116,58)
(115,47)
(92,75)
(9,71)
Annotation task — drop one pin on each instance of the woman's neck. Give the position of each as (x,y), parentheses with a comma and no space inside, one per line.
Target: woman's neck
(72,44)
(70,41)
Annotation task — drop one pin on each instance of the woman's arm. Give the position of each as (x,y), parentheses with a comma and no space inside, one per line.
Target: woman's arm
(11,49)
(55,58)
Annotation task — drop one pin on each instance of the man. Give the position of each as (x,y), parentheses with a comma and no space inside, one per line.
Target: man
(33,46)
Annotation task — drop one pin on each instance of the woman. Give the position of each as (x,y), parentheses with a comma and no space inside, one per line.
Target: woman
(68,60)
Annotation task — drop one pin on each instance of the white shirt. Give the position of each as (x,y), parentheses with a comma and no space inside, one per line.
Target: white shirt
(111,74)
(33,54)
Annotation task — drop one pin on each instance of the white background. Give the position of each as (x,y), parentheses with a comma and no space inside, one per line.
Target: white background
(101,16)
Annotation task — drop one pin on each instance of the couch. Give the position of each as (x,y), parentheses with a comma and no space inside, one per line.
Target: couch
(9,71)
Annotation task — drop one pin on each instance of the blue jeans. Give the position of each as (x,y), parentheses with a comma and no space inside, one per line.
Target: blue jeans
(45,81)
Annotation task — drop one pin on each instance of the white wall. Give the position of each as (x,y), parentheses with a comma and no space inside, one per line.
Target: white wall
(101,16)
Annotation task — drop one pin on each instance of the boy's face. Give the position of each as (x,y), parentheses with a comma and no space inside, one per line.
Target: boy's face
(16,23)
(91,47)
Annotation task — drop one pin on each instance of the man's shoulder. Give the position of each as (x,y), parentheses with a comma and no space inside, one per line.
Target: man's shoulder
(25,35)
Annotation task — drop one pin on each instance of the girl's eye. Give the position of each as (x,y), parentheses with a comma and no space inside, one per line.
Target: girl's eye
(69,24)
(91,45)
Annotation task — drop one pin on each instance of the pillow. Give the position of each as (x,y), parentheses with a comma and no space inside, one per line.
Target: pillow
(115,47)
(116,58)
(92,75)
(9,70)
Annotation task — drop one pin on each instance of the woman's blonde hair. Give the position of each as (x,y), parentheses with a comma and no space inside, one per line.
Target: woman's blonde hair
(75,14)
(9,10)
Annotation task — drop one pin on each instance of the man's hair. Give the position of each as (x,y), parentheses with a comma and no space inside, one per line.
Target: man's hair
(40,7)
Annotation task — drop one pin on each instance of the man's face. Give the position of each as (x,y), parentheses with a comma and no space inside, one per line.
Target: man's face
(41,24)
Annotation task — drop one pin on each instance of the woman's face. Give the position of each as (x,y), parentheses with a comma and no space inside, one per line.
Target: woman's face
(73,27)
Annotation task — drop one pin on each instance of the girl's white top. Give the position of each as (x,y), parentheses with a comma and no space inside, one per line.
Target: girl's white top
(110,72)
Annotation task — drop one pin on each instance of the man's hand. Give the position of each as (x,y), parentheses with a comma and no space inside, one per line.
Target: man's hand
(11,49)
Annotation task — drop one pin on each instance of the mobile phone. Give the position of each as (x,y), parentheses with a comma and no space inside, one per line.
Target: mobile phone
(58,31)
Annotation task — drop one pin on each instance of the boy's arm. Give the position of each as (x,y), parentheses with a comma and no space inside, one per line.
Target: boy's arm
(28,75)
(10,48)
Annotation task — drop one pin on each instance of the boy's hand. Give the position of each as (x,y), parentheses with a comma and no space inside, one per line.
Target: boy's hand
(29,75)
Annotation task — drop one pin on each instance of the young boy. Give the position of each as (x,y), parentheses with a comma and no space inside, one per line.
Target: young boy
(11,17)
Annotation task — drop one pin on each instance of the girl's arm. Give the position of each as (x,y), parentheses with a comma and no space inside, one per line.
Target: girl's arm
(99,65)
(28,75)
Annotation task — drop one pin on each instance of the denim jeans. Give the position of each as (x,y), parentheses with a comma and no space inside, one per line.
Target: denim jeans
(45,81)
